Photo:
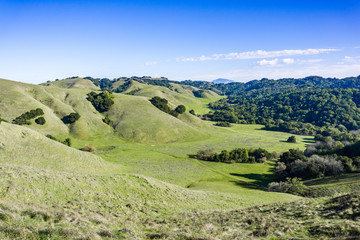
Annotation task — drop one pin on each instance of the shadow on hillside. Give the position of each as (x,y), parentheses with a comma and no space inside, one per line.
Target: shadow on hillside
(261,180)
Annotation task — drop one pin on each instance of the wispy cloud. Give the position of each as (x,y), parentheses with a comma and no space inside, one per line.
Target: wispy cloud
(286,61)
(258,54)
(258,72)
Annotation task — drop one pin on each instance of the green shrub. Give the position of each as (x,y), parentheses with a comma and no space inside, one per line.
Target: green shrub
(192,112)
(24,118)
(40,121)
(101,101)
(108,121)
(180,109)
(71,118)
(291,139)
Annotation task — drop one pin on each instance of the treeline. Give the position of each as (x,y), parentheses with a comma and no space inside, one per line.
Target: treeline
(301,111)
(270,86)
(238,155)
(111,85)
(163,105)
(24,119)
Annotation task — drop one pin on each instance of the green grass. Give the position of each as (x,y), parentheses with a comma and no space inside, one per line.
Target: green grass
(141,173)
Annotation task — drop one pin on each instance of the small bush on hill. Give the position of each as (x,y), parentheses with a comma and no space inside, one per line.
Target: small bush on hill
(101,101)
(40,121)
(291,139)
(180,109)
(71,118)
(192,112)
(107,120)
(24,118)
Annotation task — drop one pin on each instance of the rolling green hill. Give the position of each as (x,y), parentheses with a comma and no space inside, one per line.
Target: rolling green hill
(141,183)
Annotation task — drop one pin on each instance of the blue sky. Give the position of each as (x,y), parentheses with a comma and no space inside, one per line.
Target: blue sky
(198,40)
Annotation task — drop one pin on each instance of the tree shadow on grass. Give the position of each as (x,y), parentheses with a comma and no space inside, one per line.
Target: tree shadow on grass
(261,180)
(249,185)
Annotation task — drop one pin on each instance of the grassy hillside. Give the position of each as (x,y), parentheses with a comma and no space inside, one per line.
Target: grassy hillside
(180,94)
(22,146)
(49,204)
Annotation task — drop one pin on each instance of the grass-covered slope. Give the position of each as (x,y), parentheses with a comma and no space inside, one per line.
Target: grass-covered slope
(50,204)
(137,119)
(22,146)
(180,94)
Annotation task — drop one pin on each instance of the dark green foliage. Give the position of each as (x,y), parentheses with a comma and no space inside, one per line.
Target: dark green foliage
(66,142)
(71,118)
(223,124)
(101,101)
(199,93)
(192,112)
(174,113)
(24,118)
(180,109)
(291,139)
(291,156)
(238,155)
(108,121)
(160,103)
(108,84)
(40,121)
(124,87)
(290,110)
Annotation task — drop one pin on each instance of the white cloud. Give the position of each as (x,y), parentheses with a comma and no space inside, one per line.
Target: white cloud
(258,72)
(258,54)
(288,60)
(275,62)
(151,63)
(265,62)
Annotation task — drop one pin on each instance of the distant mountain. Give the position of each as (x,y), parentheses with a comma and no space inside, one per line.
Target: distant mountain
(223,80)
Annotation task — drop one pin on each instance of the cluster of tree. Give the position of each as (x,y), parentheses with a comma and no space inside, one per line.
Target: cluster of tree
(269,86)
(24,119)
(162,104)
(302,111)
(40,121)
(101,101)
(324,158)
(71,118)
(66,142)
(295,163)
(238,155)
(199,93)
